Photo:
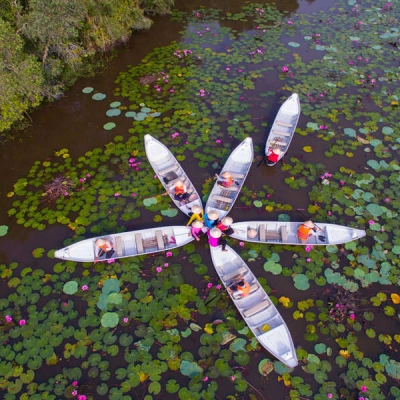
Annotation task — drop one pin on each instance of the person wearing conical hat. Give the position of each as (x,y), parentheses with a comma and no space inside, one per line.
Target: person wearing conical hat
(197,229)
(104,247)
(210,219)
(226,180)
(196,214)
(225,226)
(240,288)
(215,238)
(179,191)
(305,231)
(273,155)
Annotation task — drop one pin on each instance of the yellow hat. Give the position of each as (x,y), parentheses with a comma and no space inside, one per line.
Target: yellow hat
(226,175)
(212,215)
(215,233)
(197,224)
(308,224)
(227,221)
(197,209)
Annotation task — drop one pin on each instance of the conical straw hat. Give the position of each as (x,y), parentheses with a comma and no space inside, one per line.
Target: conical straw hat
(213,215)
(197,209)
(227,221)
(178,183)
(308,224)
(198,224)
(215,233)
(101,242)
(226,175)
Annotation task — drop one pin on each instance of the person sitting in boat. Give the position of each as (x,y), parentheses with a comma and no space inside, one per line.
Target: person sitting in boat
(197,229)
(305,231)
(210,219)
(242,288)
(196,213)
(273,155)
(104,247)
(180,191)
(225,226)
(226,180)
(215,238)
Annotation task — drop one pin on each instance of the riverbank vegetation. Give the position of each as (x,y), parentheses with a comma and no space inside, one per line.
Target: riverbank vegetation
(45,45)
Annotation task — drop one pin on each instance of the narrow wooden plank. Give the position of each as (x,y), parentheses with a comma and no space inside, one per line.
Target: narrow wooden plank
(139,243)
(172,167)
(160,241)
(257,308)
(261,232)
(284,124)
(119,246)
(284,234)
(224,199)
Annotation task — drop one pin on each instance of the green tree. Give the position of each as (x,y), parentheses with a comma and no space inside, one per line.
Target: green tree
(20,76)
(111,21)
(53,27)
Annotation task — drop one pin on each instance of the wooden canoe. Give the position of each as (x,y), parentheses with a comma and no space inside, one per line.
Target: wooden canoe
(168,170)
(257,309)
(238,164)
(129,244)
(283,128)
(277,232)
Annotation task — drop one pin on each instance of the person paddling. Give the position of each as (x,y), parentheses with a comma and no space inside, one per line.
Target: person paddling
(210,219)
(305,231)
(225,226)
(104,247)
(273,155)
(242,287)
(196,214)
(197,229)
(226,180)
(179,191)
(215,238)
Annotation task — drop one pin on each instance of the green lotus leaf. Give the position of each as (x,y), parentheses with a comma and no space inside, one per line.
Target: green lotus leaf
(150,201)
(99,96)
(190,369)
(273,267)
(396,249)
(172,386)
(110,320)
(109,125)
(170,212)
(70,287)
(3,230)
(140,116)
(294,44)
(238,345)
(301,282)
(350,132)
(281,368)
(102,389)
(130,114)
(113,112)
(320,348)
(332,248)
(145,109)
(115,104)
(375,209)
(258,203)
(320,47)
(114,298)
(111,285)
(87,90)
(38,252)
(284,217)
(154,114)
(313,125)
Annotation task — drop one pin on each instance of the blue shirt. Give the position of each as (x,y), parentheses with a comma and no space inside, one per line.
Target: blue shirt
(208,222)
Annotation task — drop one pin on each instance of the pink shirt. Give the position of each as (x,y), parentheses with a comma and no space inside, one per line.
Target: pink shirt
(196,232)
(213,242)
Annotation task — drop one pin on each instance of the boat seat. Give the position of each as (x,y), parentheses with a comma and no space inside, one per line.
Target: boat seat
(119,246)
(284,124)
(232,188)
(172,167)
(235,274)
(272,235)
(236,175)
(224,199)
(261,232)
(281,133)
(284,234)
(160,240)
(139,243)
(257,308)
(237,295)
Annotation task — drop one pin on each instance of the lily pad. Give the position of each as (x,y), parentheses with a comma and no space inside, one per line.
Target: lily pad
(3,230)
(113,112)
(110,320)
(115,104)
(70,287)
(170,212)
(109,125)
(149,202)
(294,44)
(99,96)
(301,282)
(87,90)
(190,369)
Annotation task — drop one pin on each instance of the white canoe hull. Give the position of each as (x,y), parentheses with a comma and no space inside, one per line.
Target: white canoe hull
(129,244)
(257,309)
(284,126)
(221,199)
(277,232)
(164,163)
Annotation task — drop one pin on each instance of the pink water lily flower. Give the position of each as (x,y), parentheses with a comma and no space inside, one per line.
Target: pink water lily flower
(8,318)
(371,222)
(81,397)
(363,388)
(159,269)
(22,322)
(210,285)
(85,287)
(75,383)
(168,254)
(218,287)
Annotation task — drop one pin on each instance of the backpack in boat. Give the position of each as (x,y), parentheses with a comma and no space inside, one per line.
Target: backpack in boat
(170,176)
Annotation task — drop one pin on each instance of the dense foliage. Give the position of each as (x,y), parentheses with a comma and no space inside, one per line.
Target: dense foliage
(45,45)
